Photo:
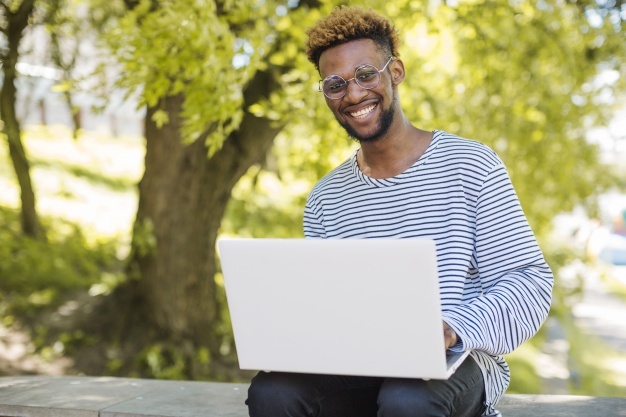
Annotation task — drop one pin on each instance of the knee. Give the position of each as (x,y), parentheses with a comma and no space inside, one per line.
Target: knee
(413,398)
(274,395)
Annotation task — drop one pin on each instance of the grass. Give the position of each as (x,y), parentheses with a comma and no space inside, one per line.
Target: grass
(90,181)
(86,201)
(122,183)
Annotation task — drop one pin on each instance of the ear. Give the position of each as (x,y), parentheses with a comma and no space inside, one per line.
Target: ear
(396,67)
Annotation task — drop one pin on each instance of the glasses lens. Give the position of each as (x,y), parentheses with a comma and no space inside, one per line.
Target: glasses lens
(367,76)
(334,86)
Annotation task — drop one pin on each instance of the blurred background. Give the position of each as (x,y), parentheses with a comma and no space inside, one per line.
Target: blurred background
(135,133)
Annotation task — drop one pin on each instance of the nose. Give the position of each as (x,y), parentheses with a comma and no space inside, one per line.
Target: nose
(354,92)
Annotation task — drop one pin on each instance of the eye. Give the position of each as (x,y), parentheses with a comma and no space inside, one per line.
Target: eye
(336,85)
(367,75)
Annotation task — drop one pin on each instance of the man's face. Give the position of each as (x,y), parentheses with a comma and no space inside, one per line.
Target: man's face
(366,115)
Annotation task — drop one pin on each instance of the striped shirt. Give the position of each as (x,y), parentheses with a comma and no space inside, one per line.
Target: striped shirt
(495,284)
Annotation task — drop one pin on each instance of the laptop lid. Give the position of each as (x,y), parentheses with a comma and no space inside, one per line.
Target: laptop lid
(366,307)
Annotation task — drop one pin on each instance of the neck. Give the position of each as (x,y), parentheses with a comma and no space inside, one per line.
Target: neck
(394,153)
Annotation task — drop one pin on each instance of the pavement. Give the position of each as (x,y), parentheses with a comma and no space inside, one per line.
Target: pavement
(602,314)
(127,397)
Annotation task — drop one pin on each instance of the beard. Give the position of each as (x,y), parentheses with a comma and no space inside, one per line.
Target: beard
(384,123)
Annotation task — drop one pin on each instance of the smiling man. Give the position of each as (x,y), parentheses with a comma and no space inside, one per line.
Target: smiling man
(405,182)
(367,77)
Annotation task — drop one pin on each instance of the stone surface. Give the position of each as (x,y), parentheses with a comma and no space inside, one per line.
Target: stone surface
(127,397)
(66,396)
(188,399)
(561,406)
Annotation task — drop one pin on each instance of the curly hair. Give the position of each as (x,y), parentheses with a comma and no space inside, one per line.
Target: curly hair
(349,23)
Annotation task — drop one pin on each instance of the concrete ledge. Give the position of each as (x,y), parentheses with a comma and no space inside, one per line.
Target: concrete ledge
(118,397)
(67,396)
(517,405)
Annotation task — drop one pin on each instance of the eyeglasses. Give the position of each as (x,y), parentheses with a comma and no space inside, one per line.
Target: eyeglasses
(366,76)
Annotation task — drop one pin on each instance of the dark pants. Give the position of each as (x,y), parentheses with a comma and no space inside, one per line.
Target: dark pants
(277,394)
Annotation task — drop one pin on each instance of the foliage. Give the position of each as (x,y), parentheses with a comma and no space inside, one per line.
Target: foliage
(210,52)
(527,78)
(592,364)
(522,77)
(524,378)
(36,274)
(567,264)
(277,212)
(162,362)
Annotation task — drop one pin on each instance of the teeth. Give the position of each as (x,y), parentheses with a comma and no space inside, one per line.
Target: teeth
(363,112)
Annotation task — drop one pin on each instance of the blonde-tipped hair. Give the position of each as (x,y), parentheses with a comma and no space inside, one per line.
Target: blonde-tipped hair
(349,23)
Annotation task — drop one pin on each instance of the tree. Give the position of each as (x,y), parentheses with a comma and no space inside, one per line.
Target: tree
(222,82)
(206,84)
(66,29)
(15,18)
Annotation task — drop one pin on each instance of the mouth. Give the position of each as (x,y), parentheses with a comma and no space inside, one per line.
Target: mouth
(363,112)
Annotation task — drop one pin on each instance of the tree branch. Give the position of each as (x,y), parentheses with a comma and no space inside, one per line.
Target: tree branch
(25,9)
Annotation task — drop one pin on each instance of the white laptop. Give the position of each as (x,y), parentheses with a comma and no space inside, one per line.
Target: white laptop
(366,307)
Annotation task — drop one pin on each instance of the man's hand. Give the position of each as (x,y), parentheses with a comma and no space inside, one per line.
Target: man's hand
(449,335)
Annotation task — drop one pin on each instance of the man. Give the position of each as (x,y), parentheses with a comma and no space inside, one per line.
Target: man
(405,182)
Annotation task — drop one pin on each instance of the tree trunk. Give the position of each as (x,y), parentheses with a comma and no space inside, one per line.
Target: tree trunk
(15,25)
(171,298)
(74,113)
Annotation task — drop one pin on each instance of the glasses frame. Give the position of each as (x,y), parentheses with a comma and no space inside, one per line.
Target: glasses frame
(321,82)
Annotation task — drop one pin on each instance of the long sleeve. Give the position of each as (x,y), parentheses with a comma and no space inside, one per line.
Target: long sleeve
(495,285)
(515,280)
